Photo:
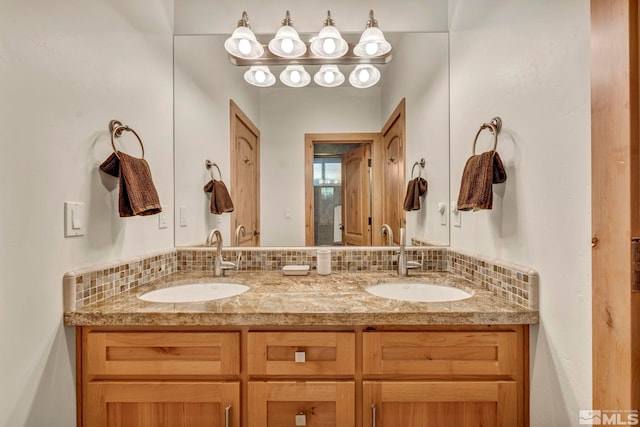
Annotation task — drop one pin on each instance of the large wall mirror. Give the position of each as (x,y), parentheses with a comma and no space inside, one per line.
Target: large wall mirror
(287,118)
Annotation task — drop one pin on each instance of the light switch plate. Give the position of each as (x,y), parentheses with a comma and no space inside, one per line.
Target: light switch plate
(183,216)
(163,218)
(74,220)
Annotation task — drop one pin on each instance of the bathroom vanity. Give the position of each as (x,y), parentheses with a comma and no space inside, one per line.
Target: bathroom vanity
(308,350)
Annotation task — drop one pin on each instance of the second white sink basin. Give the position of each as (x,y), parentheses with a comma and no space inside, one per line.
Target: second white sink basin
(418,292)
(194,292)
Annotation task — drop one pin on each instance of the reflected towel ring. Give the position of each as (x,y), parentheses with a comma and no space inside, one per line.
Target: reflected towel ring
(116,128)
(208,163)
(420,163)
(495,126)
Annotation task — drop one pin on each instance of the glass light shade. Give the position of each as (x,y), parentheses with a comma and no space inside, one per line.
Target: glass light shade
(287,43)
(364,76)
(295,76)
(329,76)
(243,44)
(260,75)
(329,43)
(372,43)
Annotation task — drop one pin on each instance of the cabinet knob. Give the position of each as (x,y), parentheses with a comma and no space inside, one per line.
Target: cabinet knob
(301,419)
(300,357)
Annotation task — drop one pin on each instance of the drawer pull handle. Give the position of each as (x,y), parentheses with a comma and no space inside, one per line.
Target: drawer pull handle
(373,415)
(301,419)
(300,357)
(227,410)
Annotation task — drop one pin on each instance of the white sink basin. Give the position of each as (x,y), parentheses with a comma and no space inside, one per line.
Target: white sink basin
(194,292)
(419,292)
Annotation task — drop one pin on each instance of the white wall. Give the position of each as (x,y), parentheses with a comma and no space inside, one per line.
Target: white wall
(423,79)
(204,83)
(67,69)
(528,62)
(286,114)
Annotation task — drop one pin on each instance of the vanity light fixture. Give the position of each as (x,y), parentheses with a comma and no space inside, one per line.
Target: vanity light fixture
(372,42)
(287,43)
(329,76)
(243,42)
(364,76)
(295,76)
(329,42)
(260,75)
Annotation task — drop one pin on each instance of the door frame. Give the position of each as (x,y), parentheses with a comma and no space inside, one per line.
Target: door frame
(310,139)
(236,113)
(615,218)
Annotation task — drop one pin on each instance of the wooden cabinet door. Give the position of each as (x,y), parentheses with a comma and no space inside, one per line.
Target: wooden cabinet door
(166,404)
(440,404)
(323,403)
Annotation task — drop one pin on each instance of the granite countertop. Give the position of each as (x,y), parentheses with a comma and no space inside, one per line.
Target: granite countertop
(276,300)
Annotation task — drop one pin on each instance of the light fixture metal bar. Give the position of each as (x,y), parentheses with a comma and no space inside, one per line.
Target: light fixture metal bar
(310,59)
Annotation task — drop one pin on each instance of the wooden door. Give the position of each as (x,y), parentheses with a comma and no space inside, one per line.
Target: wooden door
(245,178)
(167,404)
(323,403)
(393,175)
(440,404)
(356,197)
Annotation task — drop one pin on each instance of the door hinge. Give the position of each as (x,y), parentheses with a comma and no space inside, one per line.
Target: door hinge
(369,220)
(369,162)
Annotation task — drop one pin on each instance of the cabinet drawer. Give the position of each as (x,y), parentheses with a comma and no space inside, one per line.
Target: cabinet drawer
(440,353)
(162,353)
(323,403)
(319,353)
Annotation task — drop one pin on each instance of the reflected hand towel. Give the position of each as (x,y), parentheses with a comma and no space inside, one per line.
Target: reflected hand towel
(415,189)
(220,199)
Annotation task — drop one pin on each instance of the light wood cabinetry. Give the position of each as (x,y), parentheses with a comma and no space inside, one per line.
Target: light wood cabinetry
(132,378)
(347,377)
(465,378)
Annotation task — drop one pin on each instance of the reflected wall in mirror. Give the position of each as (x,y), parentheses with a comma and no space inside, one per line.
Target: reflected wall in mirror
(205,82)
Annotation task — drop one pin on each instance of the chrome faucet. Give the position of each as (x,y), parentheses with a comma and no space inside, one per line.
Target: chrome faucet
(239,230)
(385,230)
(403,265)
(219,264)
(402,257)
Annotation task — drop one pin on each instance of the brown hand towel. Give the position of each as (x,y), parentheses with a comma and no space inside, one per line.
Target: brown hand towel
(138,195)
(415,189)
(220,199)
(480,172)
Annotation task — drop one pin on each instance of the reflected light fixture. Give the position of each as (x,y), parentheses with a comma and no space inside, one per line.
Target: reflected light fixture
(364,76)
(295,76)
(243,42)
(286,43)
(329,76)
(260,75)
(329,43)
(372,42)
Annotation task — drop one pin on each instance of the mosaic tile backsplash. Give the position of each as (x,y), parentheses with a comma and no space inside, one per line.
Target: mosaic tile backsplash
(93,284)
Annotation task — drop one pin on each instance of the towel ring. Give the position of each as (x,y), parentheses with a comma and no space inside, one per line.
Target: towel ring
(420,163)
(117,128)
(495,126)
(208,163)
